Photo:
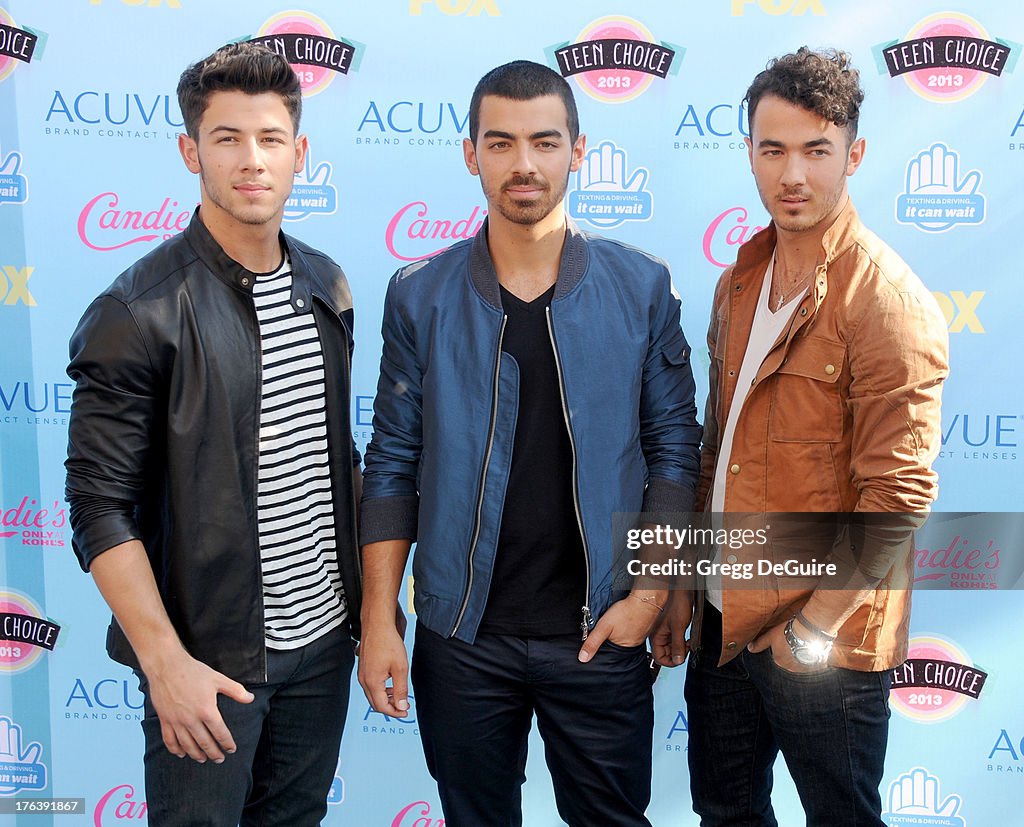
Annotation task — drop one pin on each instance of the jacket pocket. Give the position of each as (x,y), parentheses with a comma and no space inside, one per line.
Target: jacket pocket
(807,403)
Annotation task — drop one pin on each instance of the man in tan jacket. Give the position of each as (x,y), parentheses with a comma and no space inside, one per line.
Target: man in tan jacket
(827,359)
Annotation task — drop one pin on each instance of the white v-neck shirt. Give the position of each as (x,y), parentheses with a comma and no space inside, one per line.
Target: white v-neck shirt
(765,330)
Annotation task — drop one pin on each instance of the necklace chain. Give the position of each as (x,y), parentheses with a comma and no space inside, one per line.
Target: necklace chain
(789,294)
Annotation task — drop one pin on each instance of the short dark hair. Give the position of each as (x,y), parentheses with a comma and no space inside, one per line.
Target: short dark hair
(523,80)
(247,67)
(822,82)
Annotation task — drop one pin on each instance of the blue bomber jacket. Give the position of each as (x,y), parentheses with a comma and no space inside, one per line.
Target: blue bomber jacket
(445,415)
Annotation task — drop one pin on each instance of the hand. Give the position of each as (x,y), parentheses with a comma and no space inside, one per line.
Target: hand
(313,177)
(775,639)
(384,656)
(400,625)
(11,164)
(626,623)
(604,168)
(934,171)
(11,751)
(668,643)
(311,193)
(917,793)
(184,693)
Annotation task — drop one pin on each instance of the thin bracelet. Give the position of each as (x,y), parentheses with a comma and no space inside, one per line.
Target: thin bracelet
(812,628)
(650,601)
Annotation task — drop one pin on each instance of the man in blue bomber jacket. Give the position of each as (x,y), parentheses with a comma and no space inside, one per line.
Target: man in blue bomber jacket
(534,381)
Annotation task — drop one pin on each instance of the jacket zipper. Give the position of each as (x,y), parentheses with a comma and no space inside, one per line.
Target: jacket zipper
(483,480)
(588,619)
(256,482)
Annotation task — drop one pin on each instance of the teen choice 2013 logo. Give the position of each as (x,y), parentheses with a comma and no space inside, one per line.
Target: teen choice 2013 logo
(936,680)
(311,47)
(615,59)
(947,57)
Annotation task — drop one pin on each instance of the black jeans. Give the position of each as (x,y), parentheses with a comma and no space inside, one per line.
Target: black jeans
(475,704)
(287,747)
(831,726)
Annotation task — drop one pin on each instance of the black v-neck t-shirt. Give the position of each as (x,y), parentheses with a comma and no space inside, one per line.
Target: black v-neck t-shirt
(539,580)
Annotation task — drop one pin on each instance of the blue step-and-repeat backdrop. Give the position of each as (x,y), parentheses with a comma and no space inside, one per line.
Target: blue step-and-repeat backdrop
(90,180)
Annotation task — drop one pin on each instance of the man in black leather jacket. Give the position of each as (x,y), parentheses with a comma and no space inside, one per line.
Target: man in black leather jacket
(211,473)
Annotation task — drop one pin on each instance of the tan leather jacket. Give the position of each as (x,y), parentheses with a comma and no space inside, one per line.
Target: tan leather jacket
(843,416)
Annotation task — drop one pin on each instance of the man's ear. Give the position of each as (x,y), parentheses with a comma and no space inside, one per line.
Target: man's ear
(469,155)
(189,150)
(579,152)
(856,155)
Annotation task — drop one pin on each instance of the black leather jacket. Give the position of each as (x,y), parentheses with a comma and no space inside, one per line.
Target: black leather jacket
(163,436)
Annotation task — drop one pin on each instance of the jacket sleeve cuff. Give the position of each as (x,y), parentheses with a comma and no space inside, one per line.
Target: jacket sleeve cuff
(98,524)
(388,518)
(667,496)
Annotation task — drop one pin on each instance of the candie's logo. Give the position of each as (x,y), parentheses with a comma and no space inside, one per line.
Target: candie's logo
(17,46)
(958,564)
(946,57)
(935,681)
(413,233)
(615,59)
(416,814)
(24,633)
(607,192)
(310,46)
(726,232)
(105,224)
(120,803)
(32,525)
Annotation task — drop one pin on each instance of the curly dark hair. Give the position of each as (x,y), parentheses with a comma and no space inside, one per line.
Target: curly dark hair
(822,82)
(247,67)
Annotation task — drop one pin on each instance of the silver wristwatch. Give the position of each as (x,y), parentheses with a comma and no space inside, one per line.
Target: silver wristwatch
(812,652)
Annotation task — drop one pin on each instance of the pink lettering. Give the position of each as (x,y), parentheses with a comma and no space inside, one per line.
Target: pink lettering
(735,235)
(955,557)
(18,516)
(412,222)
(114,219)
(125,808)
(422,821)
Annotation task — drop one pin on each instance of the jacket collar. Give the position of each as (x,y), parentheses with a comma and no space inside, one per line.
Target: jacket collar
(571,268)
(837,239)
(235,275)
(753,256)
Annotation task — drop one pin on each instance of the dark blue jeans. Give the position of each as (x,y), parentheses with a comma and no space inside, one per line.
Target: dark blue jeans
(832,728)
(475,704)
(287,747)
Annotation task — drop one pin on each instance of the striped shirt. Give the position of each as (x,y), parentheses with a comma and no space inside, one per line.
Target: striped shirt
(302,590)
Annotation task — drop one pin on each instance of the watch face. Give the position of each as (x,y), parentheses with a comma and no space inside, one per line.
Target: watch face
(805,657)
